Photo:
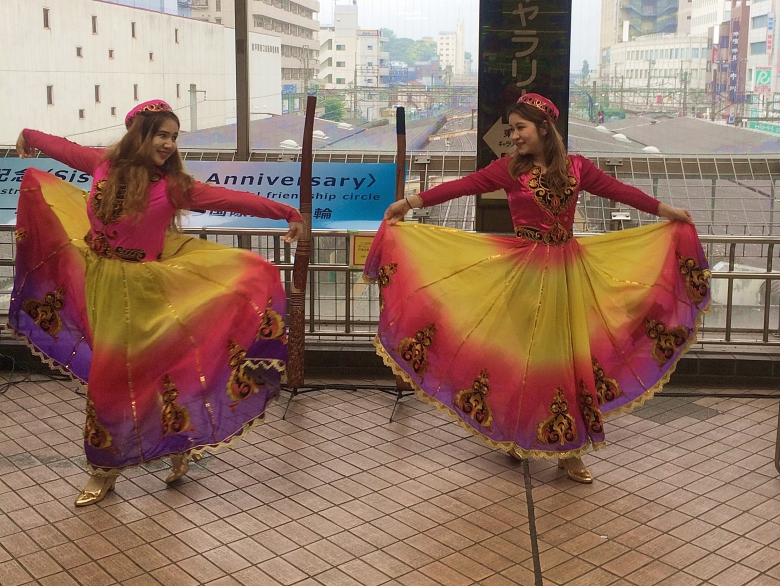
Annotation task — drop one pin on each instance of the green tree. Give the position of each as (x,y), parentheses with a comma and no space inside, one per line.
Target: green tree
(396,47)
(585,70)
(422,50)
(334,108)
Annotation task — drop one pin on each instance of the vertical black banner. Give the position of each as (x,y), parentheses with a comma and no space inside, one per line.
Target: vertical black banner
(524,46)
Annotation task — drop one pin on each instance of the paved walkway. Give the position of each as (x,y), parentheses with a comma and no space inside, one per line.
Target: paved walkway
(686,494)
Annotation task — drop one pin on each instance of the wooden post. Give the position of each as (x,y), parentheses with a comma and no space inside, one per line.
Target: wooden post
(400,187)
(297,338)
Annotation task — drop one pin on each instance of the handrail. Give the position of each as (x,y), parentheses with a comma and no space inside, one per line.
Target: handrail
(343,310)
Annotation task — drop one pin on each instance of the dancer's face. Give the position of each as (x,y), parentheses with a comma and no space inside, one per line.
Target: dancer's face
(526,136)
(164,142)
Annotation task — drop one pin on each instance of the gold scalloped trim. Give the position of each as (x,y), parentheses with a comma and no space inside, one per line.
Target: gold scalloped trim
(656,388)
(541,454)
(368,280)
(196,451)
(269,363)
(45,358)
(508,447)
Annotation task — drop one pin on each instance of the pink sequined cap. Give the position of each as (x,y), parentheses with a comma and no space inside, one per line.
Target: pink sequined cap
(541,103)
(150,106)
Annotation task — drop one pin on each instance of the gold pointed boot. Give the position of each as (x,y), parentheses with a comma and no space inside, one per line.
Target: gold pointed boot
(96,490)
(576,470)
(180,464)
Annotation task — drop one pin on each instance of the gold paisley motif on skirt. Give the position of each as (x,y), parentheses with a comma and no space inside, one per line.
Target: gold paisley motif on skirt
(414,351)
(591,414)
(20,234)
(243,381)
(607,389)
(473,401)
(560,428)
(667,342)
(95,435)
(550,202)
(556,235)
(271,325)
(697,281)
(45,313)
(174,418)
(383,280)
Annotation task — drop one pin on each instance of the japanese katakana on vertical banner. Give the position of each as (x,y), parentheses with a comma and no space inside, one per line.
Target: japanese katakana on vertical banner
(524,46)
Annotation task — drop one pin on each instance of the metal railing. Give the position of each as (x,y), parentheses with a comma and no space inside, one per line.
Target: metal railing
(342,310)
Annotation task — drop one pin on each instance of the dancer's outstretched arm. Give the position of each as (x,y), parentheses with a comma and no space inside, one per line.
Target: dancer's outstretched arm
(74,155)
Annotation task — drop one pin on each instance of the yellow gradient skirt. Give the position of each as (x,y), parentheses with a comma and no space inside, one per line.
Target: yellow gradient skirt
(529,346)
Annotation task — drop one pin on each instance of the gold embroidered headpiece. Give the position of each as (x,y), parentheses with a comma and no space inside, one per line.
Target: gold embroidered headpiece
(151,106)
(541,103)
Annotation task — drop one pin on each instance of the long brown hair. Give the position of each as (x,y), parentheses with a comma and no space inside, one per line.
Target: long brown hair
(556,177)
(131,169)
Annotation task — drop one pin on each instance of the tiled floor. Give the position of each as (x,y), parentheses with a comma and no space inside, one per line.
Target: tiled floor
(686,494)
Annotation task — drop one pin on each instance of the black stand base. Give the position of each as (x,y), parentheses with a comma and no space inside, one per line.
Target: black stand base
(388,389)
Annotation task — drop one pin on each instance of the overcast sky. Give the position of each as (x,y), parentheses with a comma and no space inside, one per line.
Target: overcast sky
(426,18)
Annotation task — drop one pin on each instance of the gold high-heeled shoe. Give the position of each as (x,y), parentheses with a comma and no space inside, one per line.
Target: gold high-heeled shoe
(180,465)
(96,490)
(581,475)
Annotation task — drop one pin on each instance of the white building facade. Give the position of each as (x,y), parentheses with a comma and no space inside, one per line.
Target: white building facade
(350,56)
(75,67)
(294,22)
(450,47)
(660,62)
(706,14)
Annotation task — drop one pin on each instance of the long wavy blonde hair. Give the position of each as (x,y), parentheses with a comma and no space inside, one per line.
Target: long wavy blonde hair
(556,177)
(131,169)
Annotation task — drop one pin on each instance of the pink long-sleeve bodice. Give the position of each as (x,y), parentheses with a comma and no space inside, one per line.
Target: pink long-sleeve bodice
(141,238)
(537,213)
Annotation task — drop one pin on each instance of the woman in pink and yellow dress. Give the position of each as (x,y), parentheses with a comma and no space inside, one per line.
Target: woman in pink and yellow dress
(180,341)
(530,341)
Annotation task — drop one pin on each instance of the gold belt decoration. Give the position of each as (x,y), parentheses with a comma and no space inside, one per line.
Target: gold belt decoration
(555,236)
(100,246)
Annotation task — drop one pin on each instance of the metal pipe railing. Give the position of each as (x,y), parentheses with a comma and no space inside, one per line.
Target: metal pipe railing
(339,311)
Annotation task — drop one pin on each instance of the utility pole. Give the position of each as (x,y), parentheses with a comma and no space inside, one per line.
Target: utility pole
(242,81)
(650,64)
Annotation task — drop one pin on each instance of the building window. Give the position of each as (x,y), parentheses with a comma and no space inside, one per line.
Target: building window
(132,29)
(113,110)
(178,90)
(176,35)
(370,47)
(341,47)
(218,20)
(97,94)
(760,21)
(49,95)
(340,64)
(81,114)
(45,18)
(151,56)
(78,52)
(758,48)
(135,92)
(340,80)
(219,6)
(94,24)
(694,52)
(110,53)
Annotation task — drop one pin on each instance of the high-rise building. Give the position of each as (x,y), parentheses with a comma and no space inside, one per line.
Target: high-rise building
(625,20)
(706,14)
(450,49)
(351,56)
(293,21)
